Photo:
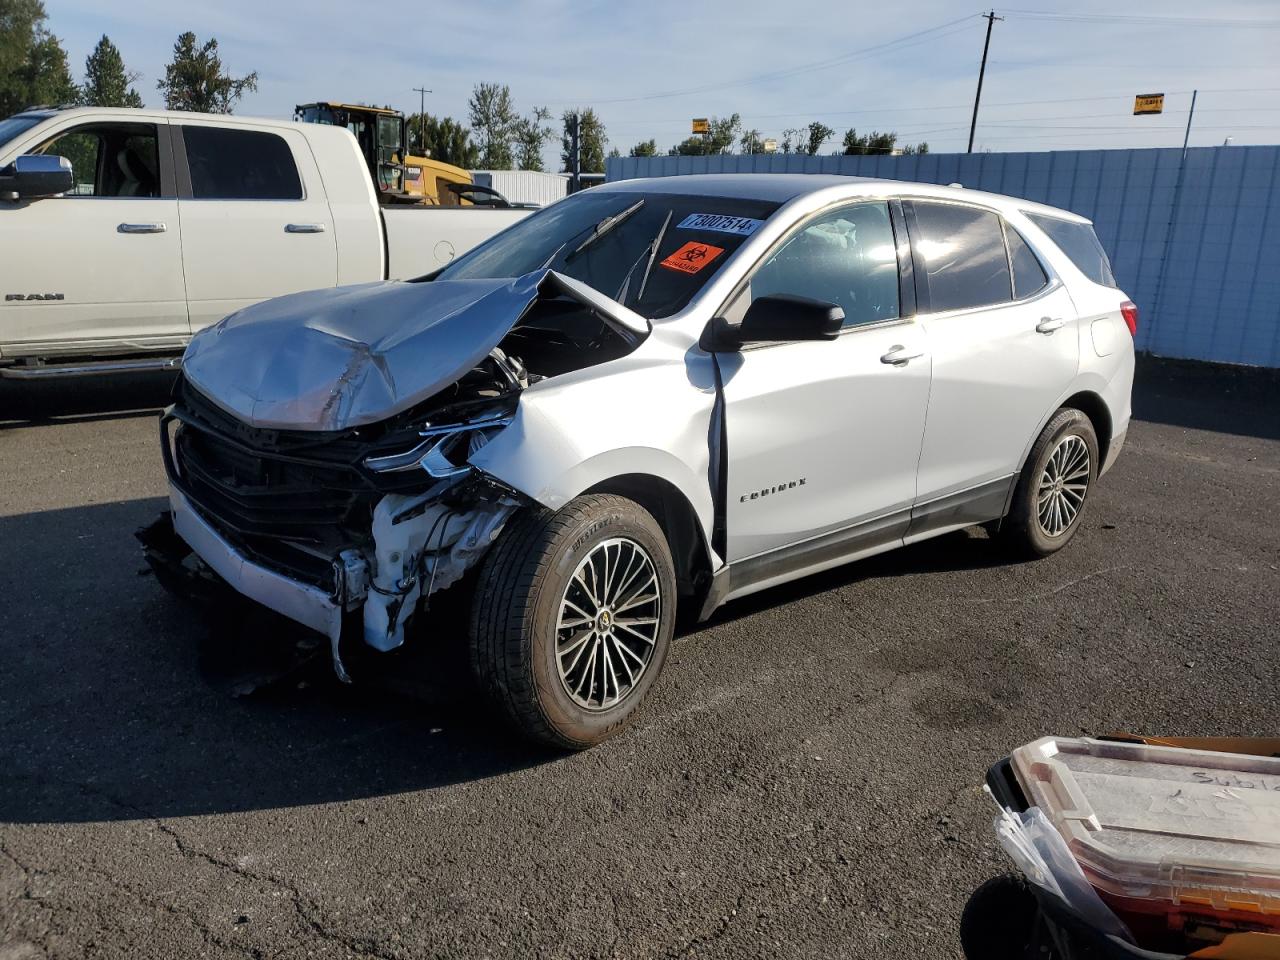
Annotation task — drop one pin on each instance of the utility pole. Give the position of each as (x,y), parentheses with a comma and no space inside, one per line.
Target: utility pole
(991,18)
(422,118)
(1187,138)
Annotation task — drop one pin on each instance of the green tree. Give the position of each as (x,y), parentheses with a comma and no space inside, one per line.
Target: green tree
(817,133)
(752,141)
(447,140)
(721,135)
(874,142)
(531,135)
(645,148)
(493,123)
(921,147)
(106,81)
(33,65)
(592,139)
(195,80)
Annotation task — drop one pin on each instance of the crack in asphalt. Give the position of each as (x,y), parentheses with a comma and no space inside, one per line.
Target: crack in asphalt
(308,911)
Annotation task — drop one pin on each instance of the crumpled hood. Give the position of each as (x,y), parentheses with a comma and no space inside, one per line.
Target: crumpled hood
(339,358)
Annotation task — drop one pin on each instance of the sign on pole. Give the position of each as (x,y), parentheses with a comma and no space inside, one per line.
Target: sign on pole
(701,125)
(770,145)
(1148,103)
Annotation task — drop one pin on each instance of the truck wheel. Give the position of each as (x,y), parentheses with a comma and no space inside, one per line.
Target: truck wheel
(1053,487)
(572,617)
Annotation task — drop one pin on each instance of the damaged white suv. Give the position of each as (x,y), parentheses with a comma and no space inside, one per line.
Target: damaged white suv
(651,395)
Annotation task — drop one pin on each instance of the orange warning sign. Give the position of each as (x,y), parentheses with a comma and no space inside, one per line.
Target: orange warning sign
(692,257)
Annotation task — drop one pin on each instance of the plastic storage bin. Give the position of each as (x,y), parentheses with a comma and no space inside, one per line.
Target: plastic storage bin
(1173,839)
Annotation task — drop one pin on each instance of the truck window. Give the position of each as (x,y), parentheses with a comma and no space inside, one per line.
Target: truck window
(228,164)
(110,159)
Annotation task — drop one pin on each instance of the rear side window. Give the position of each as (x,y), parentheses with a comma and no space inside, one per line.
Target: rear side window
(1080,244)
(231,164)
(963,253)
(1028,275)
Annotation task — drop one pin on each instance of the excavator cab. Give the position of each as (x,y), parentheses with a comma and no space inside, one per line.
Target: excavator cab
(380,133)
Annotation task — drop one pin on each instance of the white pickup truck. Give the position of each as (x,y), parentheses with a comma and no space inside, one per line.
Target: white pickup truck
(123,232)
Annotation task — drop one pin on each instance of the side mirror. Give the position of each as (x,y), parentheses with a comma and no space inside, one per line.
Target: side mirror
(35,176)
(783,318)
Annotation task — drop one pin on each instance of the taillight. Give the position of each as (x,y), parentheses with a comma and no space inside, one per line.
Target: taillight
(1129,310)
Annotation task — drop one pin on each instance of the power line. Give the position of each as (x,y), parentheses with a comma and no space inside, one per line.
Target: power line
(907,40)
(1142,20)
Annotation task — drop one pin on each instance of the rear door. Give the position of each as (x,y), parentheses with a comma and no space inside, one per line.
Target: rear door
(1002,331)
(823,437)
(255,220)
(100,268)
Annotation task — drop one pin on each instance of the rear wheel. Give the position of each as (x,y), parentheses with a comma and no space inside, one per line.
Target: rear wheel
(572,617)
(1054,486)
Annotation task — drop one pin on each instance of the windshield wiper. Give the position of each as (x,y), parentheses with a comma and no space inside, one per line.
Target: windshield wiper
(603,227)
(650,253)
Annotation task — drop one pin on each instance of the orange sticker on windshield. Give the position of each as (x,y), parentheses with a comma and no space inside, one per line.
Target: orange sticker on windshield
(692,257)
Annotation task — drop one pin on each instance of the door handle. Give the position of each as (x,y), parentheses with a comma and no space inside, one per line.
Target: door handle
(1050,324)
(142,228)
(304,228)
(898,356)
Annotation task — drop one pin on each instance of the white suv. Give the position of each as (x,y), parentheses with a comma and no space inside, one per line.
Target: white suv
(652,394)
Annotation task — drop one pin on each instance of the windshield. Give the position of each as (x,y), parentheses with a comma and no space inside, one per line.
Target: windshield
(607,240)
(20,124)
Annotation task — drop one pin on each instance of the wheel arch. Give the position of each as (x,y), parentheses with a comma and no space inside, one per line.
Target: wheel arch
(1095,408)
(678,520)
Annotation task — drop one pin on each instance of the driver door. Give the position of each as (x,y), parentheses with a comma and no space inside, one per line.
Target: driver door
(98,269)
(823,437)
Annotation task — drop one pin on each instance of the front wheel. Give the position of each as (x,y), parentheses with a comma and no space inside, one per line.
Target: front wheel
(573,613)
(1054,485)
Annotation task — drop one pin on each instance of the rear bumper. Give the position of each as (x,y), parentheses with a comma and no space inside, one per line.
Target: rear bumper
(300,602)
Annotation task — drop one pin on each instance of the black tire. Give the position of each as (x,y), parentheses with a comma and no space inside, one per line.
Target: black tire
(517,607)
(1023,530)
(999,921)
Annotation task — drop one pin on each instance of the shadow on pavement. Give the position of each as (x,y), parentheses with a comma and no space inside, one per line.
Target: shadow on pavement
(118,701)
(25,403)
(1207,396)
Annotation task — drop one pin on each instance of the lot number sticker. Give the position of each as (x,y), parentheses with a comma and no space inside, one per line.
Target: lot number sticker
(692,257)
(719,222)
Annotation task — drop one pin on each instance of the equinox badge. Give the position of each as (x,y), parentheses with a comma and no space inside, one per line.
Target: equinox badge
(770,491)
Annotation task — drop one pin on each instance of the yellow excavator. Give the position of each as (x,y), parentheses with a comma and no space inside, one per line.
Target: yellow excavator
(398,177)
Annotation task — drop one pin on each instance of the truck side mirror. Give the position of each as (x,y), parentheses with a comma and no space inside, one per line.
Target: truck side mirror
(35,176)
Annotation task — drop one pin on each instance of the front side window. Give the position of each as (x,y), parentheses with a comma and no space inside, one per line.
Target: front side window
(1080,244)
(652,252)
(846,257)
(963,252)
(110,159)
(229,164)
(1028,275)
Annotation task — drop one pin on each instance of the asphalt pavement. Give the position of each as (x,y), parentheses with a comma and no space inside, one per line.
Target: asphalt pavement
(805,781)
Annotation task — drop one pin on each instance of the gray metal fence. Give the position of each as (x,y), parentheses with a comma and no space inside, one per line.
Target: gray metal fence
(1195,241)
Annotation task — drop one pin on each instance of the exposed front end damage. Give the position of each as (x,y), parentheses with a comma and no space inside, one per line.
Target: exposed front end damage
(354,504)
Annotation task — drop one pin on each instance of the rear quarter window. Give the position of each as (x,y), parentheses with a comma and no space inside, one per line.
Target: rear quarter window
(1081,245)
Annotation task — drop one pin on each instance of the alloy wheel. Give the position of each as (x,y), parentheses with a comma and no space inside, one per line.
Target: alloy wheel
(1064,483)
(608,627)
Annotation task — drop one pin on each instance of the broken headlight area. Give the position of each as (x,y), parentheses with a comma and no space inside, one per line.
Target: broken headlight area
(366,517)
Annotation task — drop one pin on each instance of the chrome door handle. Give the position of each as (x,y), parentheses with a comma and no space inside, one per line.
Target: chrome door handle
(1050,324)
(304,228)
(898,356)
(142,228)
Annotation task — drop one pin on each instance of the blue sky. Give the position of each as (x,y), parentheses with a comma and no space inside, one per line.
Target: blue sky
(649,67)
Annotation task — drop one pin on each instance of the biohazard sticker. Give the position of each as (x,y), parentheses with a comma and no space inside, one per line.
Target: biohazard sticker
(720,223)
(692,257)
